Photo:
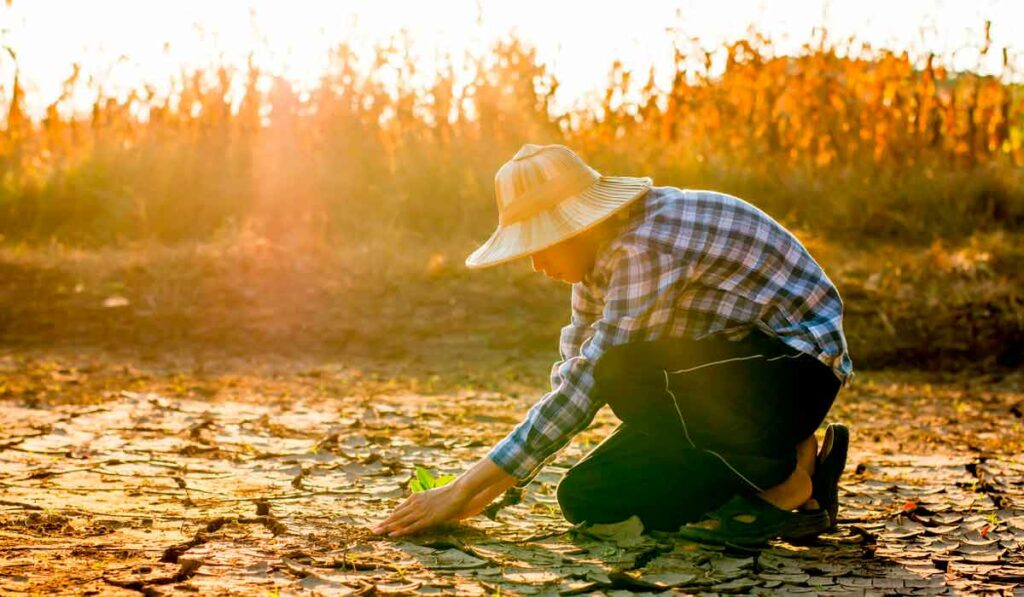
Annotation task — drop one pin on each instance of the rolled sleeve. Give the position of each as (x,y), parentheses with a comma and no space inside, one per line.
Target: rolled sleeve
(550,423)
(570,406)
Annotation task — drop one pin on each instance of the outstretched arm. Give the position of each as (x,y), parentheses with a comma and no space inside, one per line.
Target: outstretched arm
(464,497)
(469,494)
(631,296)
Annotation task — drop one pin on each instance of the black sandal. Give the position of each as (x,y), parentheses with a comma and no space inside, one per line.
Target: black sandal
(764,522)
(829,468)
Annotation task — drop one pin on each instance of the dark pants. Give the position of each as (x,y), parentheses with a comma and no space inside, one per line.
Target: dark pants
(702,420)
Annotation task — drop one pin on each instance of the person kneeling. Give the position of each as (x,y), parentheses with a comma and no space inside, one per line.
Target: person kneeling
(708,329)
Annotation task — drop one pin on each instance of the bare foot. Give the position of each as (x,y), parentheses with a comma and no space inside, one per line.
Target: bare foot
(791,493)
(807,458)
(807,454)
(795,492)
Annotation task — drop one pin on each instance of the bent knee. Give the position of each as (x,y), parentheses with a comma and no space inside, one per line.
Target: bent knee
(572,496)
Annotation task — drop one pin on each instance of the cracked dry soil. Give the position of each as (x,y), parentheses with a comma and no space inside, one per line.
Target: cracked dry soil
(143,493)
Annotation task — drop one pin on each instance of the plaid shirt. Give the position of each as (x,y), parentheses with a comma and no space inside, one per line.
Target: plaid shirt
(683,264)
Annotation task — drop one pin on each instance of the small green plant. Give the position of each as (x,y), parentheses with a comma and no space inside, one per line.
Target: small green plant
(423,480)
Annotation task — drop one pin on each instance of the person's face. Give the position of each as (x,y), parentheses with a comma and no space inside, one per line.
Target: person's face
(568,261)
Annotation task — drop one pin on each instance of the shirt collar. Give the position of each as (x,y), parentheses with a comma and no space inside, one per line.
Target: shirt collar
(633,214)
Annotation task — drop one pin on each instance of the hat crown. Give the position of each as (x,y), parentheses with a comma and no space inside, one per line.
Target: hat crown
(530,149)
(537,179)
(547,194)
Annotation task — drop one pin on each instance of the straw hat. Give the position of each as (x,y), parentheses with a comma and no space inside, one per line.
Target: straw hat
(545,195)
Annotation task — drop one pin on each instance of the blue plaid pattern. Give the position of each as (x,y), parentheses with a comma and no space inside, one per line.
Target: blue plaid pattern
(683,264)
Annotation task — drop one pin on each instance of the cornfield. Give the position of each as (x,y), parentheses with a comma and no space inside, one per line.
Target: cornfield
(866,143)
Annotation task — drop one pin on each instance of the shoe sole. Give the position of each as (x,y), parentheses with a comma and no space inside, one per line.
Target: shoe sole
(835,449)
(811,526)
(798,525)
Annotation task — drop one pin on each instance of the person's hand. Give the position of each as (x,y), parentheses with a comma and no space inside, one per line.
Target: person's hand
(464,497)
(423,510)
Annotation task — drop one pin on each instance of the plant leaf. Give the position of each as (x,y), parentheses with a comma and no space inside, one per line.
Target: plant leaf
(425,478)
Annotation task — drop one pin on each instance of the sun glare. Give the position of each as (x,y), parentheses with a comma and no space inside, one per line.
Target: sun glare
(122,45)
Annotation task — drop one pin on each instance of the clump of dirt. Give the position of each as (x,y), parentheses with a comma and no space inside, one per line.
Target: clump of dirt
(930,501)
(50,524)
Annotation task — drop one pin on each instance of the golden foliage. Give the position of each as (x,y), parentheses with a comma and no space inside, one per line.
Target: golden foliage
(868,142)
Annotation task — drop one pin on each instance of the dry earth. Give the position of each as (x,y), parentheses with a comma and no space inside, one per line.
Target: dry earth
(267,483)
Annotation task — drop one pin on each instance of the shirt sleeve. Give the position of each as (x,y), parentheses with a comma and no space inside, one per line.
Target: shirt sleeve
(598,322)
(586,309)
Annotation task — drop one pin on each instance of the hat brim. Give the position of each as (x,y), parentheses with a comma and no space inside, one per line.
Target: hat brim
(570,217)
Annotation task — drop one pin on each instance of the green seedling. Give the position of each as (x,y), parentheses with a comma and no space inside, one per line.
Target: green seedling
(423,480)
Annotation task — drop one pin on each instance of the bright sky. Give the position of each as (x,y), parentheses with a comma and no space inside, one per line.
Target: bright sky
(124,42)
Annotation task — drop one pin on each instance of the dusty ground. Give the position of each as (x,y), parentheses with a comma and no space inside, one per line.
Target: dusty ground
(262,479)
(418,311)
(230,418)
